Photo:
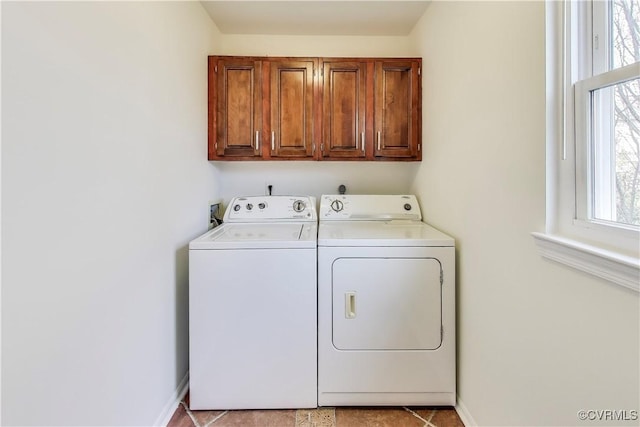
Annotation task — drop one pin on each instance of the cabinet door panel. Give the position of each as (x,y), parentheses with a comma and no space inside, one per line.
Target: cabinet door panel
(344,103)
(397,109)
(239,108)
(292,98)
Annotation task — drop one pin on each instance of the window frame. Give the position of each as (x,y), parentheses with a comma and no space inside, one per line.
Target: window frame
(606,250)
(584,135)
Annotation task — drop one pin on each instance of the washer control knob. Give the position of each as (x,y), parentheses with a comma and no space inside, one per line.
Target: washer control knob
(407,207)
(337,205)
(299,206)
(262,205)
(236,208)
(249,206)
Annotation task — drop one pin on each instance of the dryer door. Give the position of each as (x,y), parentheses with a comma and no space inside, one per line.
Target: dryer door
(387,303)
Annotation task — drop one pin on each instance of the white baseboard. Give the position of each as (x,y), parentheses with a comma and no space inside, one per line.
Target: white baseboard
(464,414)
(171,406)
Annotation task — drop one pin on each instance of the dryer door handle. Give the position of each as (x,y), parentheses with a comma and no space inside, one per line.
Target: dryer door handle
(350,305)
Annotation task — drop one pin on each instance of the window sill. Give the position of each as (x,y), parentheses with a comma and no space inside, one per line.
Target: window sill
(619,269)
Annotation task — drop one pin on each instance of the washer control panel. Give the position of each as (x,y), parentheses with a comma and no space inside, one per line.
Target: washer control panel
(369,207)
(271,208)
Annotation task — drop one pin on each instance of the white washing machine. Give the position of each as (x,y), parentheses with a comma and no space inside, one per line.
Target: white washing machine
(253,307)
(386,304)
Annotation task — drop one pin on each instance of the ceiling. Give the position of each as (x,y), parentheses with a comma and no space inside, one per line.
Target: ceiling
(312,17)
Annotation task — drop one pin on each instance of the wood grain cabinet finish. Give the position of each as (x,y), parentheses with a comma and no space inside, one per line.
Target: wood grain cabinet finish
(344,109)
(292,93)
(397,122)
(263,108)
(235,107)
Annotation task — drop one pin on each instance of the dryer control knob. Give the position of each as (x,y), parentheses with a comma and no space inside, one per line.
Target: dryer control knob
(407,207)
(337,205)
(236,208)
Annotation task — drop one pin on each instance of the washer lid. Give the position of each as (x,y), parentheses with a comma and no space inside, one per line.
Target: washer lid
(381,233)
(258,236)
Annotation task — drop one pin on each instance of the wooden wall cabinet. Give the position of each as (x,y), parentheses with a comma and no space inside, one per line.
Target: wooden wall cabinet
(292,106)
(261,108)
(344,98)
(398,110)
(235,108)
(314,108)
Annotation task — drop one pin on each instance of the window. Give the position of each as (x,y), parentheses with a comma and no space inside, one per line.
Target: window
(593,138)
(608,118)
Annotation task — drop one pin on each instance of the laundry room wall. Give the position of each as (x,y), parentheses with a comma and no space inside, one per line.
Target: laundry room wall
(104,182)
(537,341)
(311,177)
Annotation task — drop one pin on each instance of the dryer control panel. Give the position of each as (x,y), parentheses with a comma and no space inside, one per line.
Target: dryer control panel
(359,207)
(271,209)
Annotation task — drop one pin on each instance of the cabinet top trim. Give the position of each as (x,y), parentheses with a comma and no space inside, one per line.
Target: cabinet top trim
(313,58)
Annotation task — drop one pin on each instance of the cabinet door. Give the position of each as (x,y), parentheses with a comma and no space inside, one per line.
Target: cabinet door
(397,109)
(344,103)
(236,120)
(292,108)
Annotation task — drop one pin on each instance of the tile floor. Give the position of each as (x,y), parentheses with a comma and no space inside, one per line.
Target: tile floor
(321,417)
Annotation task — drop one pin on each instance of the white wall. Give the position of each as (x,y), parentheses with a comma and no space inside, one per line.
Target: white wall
(316,46)
(104,182)
(537,341)
(314,178)
(310,177)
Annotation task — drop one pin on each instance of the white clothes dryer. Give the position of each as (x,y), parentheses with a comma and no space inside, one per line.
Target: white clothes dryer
(386,304)
(253,305)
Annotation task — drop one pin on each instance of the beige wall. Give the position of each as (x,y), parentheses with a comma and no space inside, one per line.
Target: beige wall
(104,182)
(273,45)
(537,341)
